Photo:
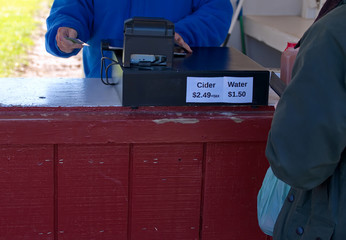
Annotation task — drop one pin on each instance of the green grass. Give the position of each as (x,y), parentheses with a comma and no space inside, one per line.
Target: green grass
(17,23)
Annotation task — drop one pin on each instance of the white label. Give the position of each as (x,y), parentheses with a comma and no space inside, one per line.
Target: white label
(202,90)
(238,90)
(219,89)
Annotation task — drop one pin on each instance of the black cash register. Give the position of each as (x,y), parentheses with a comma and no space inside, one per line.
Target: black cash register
(150,75)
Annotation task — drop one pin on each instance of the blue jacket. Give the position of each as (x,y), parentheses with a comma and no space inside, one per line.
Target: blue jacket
(199,22)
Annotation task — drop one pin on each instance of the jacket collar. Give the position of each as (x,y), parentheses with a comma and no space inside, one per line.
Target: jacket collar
(328,6)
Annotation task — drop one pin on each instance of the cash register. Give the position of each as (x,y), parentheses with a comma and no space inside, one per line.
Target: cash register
(152,72)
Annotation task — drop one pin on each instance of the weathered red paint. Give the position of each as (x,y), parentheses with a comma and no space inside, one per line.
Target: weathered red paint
(26,192)
(233,176)
(121,173)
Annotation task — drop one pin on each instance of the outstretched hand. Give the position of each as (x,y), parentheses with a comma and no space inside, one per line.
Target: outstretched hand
(64,44)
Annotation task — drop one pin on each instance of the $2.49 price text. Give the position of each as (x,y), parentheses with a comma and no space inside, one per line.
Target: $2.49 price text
(204,95)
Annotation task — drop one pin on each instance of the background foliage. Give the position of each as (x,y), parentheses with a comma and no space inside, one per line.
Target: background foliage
(17,23)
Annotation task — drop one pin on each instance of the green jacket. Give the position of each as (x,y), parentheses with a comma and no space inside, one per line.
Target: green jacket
(307,142)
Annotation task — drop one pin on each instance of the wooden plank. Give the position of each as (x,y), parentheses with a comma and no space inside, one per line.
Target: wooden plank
(97,198)
(26,192)
(92,192)
(233,176)
(124,125)
(166,191)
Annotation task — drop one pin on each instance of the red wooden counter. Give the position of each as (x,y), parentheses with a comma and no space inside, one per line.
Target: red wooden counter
(74,165)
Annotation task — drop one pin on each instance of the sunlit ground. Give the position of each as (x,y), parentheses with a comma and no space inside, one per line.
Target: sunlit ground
(17,22)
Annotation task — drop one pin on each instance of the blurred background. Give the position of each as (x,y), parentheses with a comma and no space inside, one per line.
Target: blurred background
(261,31)
(22,49)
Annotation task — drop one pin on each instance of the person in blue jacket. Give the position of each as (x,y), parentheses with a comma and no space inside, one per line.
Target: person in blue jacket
(197,23)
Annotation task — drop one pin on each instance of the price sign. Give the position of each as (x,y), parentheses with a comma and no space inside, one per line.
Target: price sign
(219,89)
(204,90)
(238,90)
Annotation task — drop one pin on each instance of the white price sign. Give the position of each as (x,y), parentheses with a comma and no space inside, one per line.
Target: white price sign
(238,90)
(219,89)
(203,90)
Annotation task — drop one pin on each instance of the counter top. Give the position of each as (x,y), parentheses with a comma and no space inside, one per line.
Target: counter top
(63,92)
(71,169)
(56,92)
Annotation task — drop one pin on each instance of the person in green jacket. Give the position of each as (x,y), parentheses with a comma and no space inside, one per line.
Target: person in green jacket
(306,145)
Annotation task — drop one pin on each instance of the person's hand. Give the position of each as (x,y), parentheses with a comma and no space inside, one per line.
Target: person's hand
(180,41)
(65,45)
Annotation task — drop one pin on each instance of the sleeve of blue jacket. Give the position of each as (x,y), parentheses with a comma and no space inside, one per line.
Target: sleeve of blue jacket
(66,13)
(208,25)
